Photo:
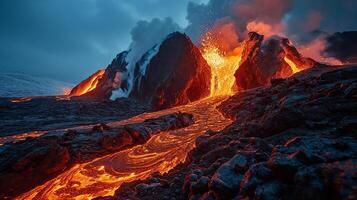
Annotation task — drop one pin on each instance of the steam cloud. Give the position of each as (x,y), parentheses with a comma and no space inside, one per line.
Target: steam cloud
(146,34)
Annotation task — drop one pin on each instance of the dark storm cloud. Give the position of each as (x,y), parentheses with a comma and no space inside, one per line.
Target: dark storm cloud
(67,39)
(343,46)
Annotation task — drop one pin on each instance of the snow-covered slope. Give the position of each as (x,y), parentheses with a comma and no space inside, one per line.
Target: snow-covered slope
(19,85)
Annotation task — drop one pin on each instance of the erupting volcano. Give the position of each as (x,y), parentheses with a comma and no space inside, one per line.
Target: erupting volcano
(250,100)
(223,66)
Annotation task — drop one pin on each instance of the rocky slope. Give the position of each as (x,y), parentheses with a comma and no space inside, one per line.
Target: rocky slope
(266,60)
(295,139)
(115,77)
(177,75)
(26,164)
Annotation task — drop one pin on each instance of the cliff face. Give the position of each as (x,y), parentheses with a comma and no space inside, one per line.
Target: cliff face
(265,60)
(176,75)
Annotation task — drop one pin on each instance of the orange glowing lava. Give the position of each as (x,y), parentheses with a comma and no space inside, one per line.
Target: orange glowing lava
(22,99)
(293,66)
(223,66)
(164,151)
(19,137)
(88,84)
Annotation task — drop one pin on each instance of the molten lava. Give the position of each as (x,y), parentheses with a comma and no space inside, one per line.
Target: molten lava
(164,151)
(293,66)
(223,66)
(88,84)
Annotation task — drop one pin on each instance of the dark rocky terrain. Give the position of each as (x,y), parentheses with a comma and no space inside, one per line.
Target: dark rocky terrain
(47,113)
(292,137)
(295,139)
(29,163)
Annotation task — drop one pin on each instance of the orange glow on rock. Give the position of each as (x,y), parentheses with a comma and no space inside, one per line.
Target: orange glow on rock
(88,84)
(223,66)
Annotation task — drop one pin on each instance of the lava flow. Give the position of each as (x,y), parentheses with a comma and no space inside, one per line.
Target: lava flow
(223,66)
(293,66)
(88,84)
(161,153)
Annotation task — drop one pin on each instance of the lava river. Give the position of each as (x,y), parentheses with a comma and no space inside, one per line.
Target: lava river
(102,176)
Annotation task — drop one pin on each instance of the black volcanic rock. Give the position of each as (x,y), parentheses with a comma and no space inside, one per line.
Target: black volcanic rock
(27,164)
(295,139)
(24,115)
(263,61)
(176,75)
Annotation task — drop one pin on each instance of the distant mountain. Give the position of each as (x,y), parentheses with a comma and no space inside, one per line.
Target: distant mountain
(19,85)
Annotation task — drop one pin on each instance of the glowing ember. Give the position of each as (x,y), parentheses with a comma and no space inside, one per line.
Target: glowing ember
(294,68)
(89,84)
(223,66)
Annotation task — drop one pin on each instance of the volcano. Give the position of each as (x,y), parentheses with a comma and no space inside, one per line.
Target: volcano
(187,121)
(177,72)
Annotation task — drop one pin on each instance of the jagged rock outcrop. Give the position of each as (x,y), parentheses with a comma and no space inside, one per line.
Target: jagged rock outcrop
(112,78)
(29,163)
(176,75)
(262,61)
(295,139)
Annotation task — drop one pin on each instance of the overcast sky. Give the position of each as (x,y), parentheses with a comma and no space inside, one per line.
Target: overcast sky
(70,39)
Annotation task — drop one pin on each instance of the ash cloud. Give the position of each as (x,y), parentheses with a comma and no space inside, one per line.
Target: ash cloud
(306,22)
(240,12)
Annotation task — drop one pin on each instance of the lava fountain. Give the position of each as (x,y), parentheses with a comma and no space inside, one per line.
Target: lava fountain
(223,66)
